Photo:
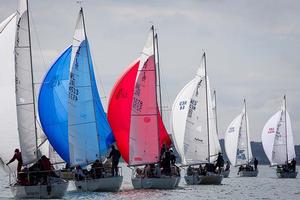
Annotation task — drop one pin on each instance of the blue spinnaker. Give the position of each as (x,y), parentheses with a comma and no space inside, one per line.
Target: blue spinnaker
(53,107)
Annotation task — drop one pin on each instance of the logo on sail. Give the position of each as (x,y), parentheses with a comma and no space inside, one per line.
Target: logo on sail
(241,154)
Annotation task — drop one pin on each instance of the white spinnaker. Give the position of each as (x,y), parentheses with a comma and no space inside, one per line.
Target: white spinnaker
(8,134)
(214,144)
(268,135)
(24,88)
(179,114)
(231,139)
(144,134)
(82,128)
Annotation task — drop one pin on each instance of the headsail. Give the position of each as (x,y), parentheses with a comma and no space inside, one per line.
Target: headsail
(26,113)
(8,133)
(214,143)
(277,138)
(237,140)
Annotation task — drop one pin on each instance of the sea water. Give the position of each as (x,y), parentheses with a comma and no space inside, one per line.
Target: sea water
(265,186)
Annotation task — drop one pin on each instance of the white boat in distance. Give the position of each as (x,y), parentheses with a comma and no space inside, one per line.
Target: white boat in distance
(278,143)
(238,145)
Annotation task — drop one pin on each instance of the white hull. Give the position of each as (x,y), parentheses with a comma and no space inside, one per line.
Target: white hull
(225,173)
(178,181)
(286,174)
(107,184)
(164,182)
(55,190)
(245,173)
(209,179)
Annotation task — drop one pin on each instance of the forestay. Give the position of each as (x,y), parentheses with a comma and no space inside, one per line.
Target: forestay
(24,87)
(144,131)
(277,138)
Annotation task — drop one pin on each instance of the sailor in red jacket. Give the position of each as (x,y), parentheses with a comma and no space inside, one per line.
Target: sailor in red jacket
(17,156)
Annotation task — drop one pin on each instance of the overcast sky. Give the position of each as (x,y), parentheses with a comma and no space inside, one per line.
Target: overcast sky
(252,48)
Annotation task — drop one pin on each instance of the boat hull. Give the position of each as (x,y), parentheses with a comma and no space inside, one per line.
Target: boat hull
(209,179)
(107,184)
(164,182)
(225,173)
(248,173)
(286,174)
(55,190)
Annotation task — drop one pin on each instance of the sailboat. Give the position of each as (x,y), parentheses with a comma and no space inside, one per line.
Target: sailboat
(54,187)
(278,143)
(83,119)
(136,121)
(76,124)
(194,129)
(224,172)
(238,145)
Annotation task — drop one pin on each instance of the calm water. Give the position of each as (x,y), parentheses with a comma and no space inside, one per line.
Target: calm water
(265,186)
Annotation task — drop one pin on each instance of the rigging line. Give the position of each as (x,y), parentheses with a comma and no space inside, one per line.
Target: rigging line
(101,86)
(4,27)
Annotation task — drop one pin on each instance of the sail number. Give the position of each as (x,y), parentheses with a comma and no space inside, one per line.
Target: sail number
(137,104)
(271,130)
(73,92)
(182,105)
(192,107)
(231,130)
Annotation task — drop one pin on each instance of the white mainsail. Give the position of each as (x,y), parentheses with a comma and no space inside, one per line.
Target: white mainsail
(82,126)
(237,140)
(189,121)
(26,113)
(144,132)
(277,138)
(8,133)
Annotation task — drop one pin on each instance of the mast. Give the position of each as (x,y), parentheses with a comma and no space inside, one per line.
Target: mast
(32,84)
(215,96)
(245,116)
(285,123)
(206,100)
(89,63)
(156,80)
(158,73)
